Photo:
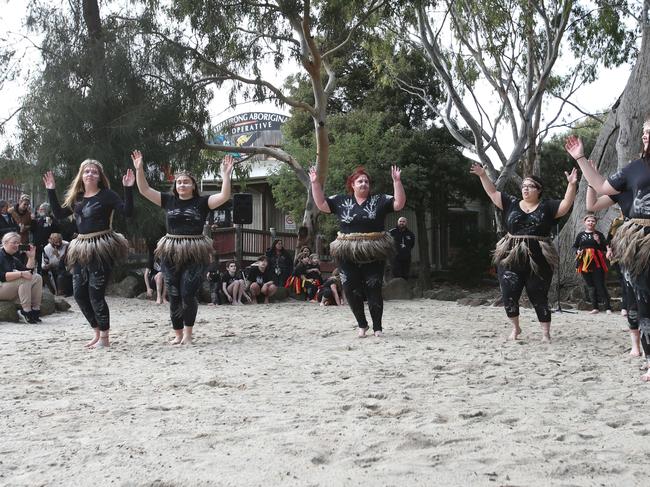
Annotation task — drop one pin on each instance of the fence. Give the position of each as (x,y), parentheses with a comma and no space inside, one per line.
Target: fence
(10,193)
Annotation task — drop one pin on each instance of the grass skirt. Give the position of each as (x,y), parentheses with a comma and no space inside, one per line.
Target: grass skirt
(183,250)
(362,248)
(107,247)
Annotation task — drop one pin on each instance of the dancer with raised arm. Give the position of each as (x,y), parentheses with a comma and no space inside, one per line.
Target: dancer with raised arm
(362,245)
(630,243)
(184,252)
(525,257)
(97,248)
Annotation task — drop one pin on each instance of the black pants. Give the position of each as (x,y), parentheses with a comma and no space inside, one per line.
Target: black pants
(183,286)
(512,284)
(364,280)
(595,281)
(401,268)
(641,285)
(89,289)
(622,283)
(215,292)
(629,298)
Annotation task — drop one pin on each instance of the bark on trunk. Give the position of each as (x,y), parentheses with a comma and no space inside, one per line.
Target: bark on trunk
(618,143)
(424,273)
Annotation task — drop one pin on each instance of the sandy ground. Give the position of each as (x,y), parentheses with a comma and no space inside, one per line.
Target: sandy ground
(285,394)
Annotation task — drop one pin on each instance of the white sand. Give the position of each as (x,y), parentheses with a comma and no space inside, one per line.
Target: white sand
(285,394)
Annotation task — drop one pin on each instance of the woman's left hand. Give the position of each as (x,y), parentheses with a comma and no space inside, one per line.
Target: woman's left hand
(396,174)
(572,178)
(129,178)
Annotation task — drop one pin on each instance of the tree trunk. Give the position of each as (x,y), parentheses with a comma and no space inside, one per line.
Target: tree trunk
(618,143)
(424,265)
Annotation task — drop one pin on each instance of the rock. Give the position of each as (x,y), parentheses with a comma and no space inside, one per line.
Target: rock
(584,306)
(129,287)
(472,301)
(142,296)
(61,304)
(8,311)
(396,288)
(47,303)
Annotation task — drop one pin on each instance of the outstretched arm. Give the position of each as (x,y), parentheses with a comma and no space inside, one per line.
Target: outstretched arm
(574,147)
(489,187)
(570,194)
(216,200)
(398,188)
(317,191)
(140,178)
(50,185)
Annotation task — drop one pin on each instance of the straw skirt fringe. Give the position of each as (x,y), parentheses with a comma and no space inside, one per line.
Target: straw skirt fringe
(107,247)
(182,250)
(362,247)
(514,251)
(632,246)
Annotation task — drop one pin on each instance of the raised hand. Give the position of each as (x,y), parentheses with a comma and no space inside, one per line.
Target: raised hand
(574,147)
(313,174)
(572,178)
(48,180)
(136,157)
(227,166)
(477,169)
(129,178)
(396,173)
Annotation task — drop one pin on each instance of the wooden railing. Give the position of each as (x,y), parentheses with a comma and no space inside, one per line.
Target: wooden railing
(254,242)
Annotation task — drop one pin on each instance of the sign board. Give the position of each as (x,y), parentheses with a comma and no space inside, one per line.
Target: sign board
(289,223)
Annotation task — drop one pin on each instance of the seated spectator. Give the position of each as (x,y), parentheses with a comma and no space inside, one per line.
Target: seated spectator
(296,281)
(19,282)
(330,293)
(154,279)
(233,284)
(280,262)
(7,223)
(214,279)
(312,277)
(260,280)
(55,275)
(21,213)
(299,253)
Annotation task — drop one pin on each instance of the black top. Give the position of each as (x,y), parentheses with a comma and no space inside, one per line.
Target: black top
(624,200)
(41,229)
(227,279)
(94,214)
(538,222)
(313,271)
(590,240)
(10,263)
(364,218)
(404,242)
(185,217)
(282,261)
(214,274)
(635,178)
(254,274)
(7,224)
(300,269)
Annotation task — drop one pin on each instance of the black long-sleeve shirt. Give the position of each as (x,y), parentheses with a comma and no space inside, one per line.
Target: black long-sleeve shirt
(94,214)
(9,263)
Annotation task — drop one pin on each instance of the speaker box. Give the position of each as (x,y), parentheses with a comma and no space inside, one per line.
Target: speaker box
(242,208)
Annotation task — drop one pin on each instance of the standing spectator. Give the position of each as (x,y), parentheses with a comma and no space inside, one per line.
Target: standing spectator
(55,275)
(7,223)
(42,227)
(404,242)
(280,262)
(23,217)
(591,246)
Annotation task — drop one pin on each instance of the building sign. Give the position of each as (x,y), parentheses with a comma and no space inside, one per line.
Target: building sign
(289,223)
(251,129)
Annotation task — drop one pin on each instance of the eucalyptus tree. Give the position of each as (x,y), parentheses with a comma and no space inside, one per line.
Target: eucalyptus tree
(235,42)
(98,94)
(497,61)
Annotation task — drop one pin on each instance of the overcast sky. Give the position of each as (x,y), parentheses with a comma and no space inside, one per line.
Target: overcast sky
(598,96)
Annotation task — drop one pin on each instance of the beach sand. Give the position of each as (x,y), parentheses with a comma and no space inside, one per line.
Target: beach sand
(285,394)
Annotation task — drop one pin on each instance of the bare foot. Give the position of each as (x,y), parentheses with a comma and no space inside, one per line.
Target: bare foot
(594,312)
(187,340)
(266,300)
(177,340)
(516,331)
(101,343)
(609,312)
(646,377)
(546,338)
(362,332)
(623,312)
(635,352)
(92,342)
(159,301)
(378,333)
